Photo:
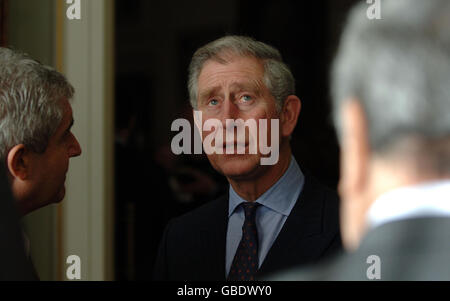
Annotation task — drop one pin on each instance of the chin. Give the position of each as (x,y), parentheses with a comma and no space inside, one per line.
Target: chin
(60,196)
(237,166)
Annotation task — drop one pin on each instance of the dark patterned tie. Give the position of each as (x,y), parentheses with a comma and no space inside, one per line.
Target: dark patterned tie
(245,262)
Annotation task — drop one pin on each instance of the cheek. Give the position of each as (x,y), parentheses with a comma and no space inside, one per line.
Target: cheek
(61,163)
(270,128)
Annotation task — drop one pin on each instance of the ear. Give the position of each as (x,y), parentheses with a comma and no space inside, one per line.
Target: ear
(289,115)
(355,150)
(18,162)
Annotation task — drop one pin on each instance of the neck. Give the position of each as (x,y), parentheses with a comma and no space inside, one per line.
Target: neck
(390,175)
(384,176)
(251,189)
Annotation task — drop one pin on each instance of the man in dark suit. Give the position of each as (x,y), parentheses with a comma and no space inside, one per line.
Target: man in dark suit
(391,82)
(14,265)
(35,120)
(36,141)
(273,216)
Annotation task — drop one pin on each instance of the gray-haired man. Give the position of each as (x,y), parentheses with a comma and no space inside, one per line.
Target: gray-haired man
(35,138)
(391,83)
(273,216)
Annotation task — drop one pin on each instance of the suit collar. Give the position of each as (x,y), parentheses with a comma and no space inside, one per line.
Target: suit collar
(425,199)
(300,232)
(281,197)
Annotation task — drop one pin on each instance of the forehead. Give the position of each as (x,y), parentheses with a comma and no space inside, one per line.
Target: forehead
(67,113)
(237,69)
(65,122)
(67,108)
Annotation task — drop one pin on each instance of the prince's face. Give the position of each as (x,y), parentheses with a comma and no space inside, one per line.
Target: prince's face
(236,90)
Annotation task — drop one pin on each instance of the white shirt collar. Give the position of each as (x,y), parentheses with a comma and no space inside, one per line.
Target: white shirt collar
(281,197)
(431,199)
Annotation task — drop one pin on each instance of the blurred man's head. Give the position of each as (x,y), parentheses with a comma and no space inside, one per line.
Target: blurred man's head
(35,138)
(391,90)
(239,78)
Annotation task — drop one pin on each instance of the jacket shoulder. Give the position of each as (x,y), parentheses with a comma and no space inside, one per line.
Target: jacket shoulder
(204,215)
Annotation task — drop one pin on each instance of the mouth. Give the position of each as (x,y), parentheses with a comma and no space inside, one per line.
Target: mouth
(235,146)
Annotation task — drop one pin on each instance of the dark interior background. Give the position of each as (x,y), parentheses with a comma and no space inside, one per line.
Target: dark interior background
(154,43)
(3,22)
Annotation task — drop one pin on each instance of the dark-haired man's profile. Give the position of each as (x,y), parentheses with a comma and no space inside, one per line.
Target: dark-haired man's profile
(36,142)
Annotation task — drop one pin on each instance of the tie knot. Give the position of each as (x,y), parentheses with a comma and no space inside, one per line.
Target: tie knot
(250,209)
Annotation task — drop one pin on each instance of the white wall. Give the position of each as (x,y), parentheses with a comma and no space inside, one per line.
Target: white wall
(88,209)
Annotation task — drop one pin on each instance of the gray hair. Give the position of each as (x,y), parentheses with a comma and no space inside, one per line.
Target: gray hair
(398,68)
(277,76)
(30,102)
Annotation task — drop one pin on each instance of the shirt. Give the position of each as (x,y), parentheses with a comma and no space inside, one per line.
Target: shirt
(275,206)
(431,199)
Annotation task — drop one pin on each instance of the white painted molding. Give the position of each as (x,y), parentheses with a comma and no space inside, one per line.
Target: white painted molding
(87,213)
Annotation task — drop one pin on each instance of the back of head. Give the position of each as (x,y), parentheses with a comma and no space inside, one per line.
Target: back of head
(398,68)
(30,101)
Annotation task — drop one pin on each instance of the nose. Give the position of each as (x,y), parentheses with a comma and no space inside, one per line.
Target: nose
(229,111)
(75,148)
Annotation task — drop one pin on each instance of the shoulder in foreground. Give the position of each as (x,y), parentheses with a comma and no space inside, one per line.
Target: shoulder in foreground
(325,271)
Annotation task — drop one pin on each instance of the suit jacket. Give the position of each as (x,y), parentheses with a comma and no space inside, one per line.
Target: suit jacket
(193,246)
(411,249)
(14,265)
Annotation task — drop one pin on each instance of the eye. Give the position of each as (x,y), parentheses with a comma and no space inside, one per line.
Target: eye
(246,98)
(67,135)
(213,102)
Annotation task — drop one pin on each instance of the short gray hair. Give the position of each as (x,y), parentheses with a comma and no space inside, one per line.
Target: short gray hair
(30,102)
(398,67)
(277,76)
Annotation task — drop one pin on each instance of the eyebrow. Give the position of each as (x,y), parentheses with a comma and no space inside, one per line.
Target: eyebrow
(208,93)
(252,86)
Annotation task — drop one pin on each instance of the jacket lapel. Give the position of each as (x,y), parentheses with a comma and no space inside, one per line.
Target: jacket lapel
(299,240)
